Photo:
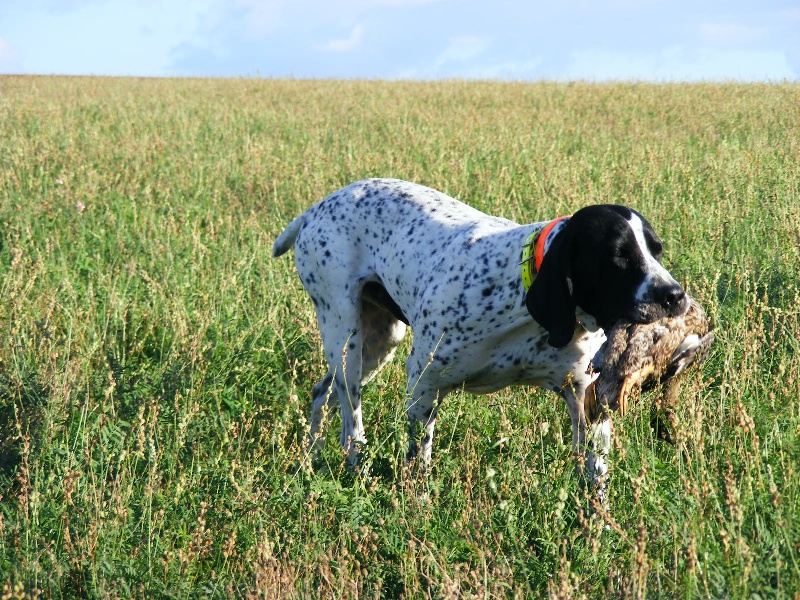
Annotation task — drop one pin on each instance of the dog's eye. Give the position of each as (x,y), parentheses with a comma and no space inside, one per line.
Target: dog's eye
(621,258)
(655,247)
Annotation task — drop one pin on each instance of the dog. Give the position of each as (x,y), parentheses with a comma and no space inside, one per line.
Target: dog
(491,303)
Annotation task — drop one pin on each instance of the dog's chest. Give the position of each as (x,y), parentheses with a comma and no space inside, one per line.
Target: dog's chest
(520,356)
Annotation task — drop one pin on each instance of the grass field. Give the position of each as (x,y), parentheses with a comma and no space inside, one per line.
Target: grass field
(156,363)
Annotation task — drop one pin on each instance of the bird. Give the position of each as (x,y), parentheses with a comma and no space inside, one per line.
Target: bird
(643,355)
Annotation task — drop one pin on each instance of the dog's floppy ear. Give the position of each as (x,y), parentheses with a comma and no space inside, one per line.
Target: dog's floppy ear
(550,299)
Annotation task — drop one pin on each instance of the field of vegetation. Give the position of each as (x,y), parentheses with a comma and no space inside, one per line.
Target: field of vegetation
(156,364)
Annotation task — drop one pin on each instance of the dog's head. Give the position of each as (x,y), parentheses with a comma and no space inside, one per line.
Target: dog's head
(606,261)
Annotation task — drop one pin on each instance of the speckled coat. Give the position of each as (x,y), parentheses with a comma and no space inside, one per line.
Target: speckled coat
(381,254)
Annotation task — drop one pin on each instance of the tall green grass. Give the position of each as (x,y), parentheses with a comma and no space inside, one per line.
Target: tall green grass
(156,364)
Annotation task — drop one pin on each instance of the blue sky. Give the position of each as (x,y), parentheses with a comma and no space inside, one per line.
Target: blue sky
(648,40)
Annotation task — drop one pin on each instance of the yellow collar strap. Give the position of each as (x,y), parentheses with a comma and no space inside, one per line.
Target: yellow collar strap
(533,252)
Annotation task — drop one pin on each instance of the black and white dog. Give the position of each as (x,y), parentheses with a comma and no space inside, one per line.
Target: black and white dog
(491,303)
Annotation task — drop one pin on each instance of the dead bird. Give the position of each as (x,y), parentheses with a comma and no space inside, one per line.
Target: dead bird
(641,356)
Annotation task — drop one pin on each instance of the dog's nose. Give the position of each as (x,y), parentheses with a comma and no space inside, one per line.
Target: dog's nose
(672,297)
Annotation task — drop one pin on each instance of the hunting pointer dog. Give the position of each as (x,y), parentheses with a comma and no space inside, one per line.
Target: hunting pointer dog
(491,303)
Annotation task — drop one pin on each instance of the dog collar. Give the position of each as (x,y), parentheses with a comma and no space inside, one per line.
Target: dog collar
(533,252)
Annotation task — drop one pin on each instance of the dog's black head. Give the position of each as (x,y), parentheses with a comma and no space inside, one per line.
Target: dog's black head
(606,260)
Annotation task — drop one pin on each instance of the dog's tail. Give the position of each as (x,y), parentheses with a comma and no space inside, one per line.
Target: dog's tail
(286,240)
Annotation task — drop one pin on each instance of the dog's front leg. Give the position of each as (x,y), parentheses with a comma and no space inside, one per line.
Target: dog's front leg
(421,409)
(599,446)
(591,442)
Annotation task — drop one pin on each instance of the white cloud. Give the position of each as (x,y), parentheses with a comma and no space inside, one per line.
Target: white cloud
(347,44)
(262,16)
(512,70)
(730,33)
(399,3)
(679,64)
(458,55)
(462,49)
(7,53)
(790,14)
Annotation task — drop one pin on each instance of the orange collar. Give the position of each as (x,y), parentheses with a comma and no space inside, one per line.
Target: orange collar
(533,252)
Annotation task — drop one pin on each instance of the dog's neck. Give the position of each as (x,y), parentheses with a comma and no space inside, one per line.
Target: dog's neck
(536,247)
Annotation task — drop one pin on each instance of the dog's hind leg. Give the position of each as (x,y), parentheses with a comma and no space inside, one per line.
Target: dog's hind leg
(323,398)
(343,339)
(374,340)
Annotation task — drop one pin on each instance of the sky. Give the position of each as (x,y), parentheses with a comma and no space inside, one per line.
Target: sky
(512,40)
